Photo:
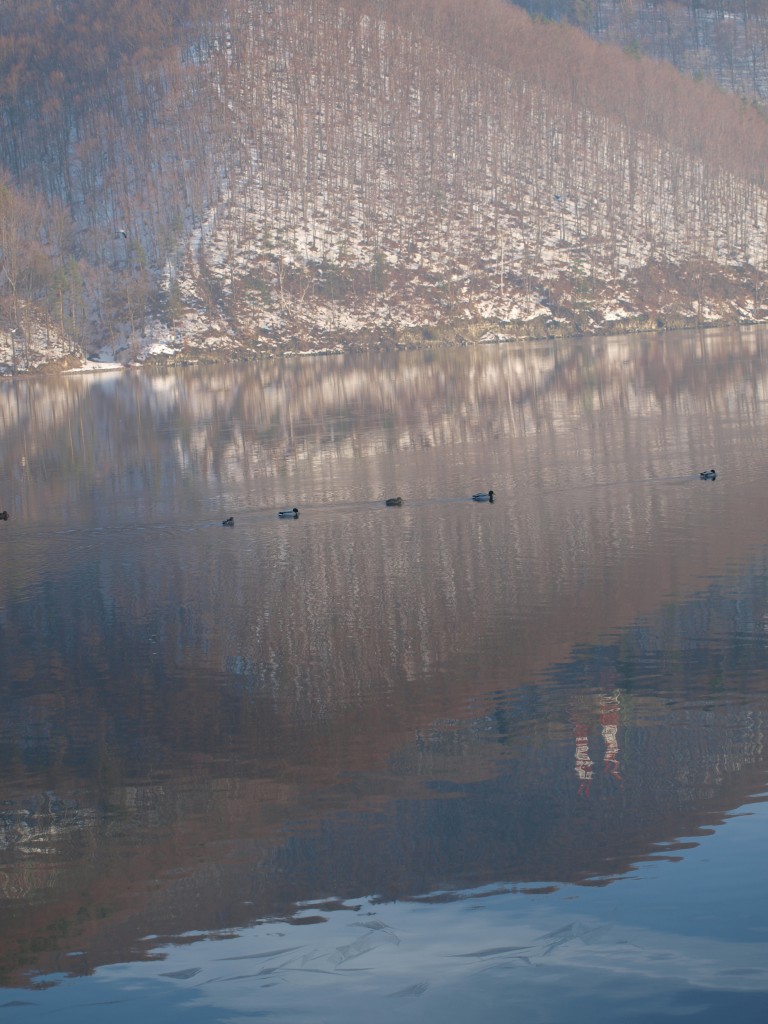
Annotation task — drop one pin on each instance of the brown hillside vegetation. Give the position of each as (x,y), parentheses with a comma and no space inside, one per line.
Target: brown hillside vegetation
(282,175)
(724,40)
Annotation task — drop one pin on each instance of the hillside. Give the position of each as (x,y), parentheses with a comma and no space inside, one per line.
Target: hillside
(723,40)
(279,177)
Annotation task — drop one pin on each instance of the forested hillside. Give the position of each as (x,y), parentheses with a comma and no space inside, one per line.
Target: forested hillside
(725,40)
(110,148)
(184,177)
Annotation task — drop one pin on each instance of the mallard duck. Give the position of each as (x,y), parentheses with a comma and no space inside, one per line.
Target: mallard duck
(394,501)
(3,514)
(229,522)
(289,513)
(708,474)
(483,497)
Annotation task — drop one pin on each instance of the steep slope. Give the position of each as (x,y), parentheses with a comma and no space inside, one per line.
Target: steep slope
(724,40)
(425,171)
(403,173)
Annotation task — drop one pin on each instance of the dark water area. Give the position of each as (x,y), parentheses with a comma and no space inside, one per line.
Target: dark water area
(447,761)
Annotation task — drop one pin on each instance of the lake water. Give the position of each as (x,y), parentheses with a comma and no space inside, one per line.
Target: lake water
(445,762)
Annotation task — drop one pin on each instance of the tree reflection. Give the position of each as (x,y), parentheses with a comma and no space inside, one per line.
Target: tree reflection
(371,698)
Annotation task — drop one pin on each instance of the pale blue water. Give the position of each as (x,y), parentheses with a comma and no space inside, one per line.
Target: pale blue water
(648,947)
(449,761)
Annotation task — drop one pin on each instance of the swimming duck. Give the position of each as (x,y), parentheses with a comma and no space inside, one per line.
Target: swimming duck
(708,474)
(3,514)
(229,522)
(289,513)
(394,501)
(483,497)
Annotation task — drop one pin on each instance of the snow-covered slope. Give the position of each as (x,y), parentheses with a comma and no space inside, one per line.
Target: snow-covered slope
(419,173)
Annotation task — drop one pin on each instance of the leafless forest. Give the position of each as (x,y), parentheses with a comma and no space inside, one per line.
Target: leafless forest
(725,40)
(305,174)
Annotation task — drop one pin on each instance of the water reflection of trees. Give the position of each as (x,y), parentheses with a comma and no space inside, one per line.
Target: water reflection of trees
(154,697)
(226,419)
(490,798)
(262,657)
(164,440)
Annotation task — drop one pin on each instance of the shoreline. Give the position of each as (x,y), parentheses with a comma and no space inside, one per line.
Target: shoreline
(429,338)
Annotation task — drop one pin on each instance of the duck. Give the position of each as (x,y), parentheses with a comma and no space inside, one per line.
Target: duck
(228,522)
(3,514)
(708,474)
(483,497)
(394,501)
(289,513)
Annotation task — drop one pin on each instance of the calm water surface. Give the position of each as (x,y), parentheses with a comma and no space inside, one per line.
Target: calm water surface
(445,762)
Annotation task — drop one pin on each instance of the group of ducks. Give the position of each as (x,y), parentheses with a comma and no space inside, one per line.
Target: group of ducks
(293,513)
